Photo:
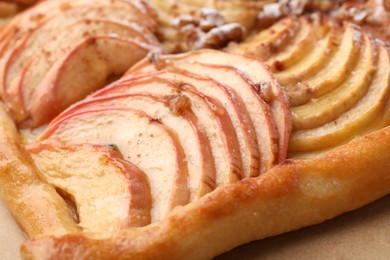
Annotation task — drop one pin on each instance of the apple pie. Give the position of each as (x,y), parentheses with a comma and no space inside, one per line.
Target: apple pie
(134,129)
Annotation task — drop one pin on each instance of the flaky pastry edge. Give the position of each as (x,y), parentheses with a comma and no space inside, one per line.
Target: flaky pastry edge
(292,195)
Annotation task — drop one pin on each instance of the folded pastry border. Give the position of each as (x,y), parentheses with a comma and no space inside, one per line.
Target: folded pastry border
(290,196)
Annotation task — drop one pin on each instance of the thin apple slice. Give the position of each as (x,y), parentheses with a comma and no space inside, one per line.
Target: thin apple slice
(211,114)
(259,111)
(33,39)
(83,171)
(332,73)
(309,33)
(257,73)
(328,107)
(174,111)
(144,141)
(146,85)
(50,11)
(46,23)
(83,69)
(22,87)
(313,59)
(235,108)
(269,41)
(350,123)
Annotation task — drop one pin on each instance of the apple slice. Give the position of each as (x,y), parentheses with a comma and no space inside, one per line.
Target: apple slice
(83,69)
(174,112)
(22,87)
(145,85)
(257,73)
(83,171)
(49,11)
(144,141)
(259,111)
(309,33)
(44,59)
(313,59)
(33,39)
(328,107)
(211,114)
(235,108)
(332,73)
(352,122)
(269,41)
(24,192)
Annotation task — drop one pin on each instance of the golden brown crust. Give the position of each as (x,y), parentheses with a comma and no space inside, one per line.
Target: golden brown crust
(293,195)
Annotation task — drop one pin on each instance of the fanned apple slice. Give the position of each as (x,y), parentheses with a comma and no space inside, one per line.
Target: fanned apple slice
(28,198)
(210,112)
(51,11)
(259,111)
(144,141)
(304,39)
(332,73)
(33,40)
(83,171)
(235,108)
(312,61)
(83,69)
(269,41)
(36,35)
(328,107)
(354,120)
(257,73)
(174,111)
(22,87)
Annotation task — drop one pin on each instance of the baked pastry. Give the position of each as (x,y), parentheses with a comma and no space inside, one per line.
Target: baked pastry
(191,149)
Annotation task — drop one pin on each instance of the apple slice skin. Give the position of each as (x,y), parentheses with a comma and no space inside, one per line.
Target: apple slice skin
(210,112)
(61,166)
(236,110)
(46,11)
(257,73)
(239,116)
(258,110)
(33,39)
(200,161)
(330,106)
(146,138)
(38,65)
(353,122)
(54,92)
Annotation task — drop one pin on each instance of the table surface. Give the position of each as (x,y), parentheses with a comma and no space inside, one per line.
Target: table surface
(360,234)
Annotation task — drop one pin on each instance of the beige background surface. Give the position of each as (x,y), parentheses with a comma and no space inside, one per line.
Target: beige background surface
(361,234)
